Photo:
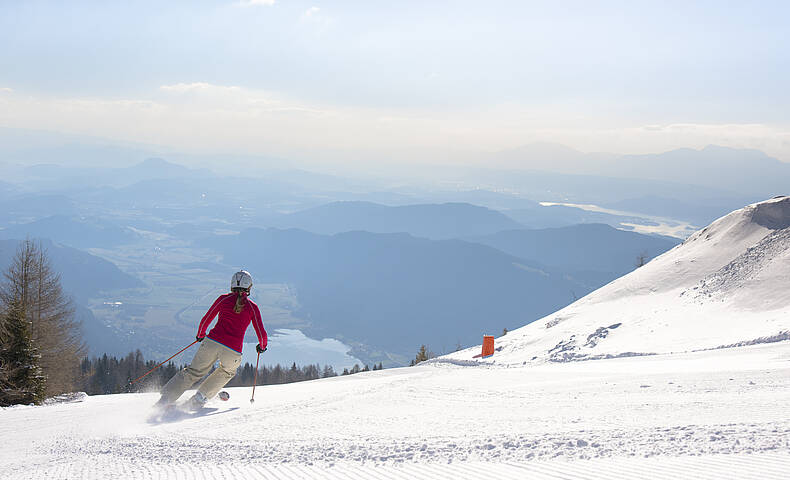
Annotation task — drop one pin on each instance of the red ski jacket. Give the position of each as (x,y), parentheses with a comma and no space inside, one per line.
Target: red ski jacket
(230,327)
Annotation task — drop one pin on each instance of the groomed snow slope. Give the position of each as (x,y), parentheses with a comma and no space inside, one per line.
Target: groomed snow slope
(728,284)
(704,415)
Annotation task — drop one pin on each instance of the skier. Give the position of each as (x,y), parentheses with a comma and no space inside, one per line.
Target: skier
(225,340)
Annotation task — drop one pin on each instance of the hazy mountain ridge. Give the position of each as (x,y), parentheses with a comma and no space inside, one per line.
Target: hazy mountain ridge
(748,171)
(595,247)
(78,232)
(555,216)
(268,194)
(442,221)
(699,213)
(82,275)
(148,169)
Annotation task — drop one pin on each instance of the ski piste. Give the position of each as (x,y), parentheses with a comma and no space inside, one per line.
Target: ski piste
(183,410)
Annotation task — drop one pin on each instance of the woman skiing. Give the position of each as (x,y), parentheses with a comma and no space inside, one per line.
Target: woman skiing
(225,340)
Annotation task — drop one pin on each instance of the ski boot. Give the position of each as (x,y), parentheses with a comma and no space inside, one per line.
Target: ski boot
(197,402)
(162,406)
(161,410)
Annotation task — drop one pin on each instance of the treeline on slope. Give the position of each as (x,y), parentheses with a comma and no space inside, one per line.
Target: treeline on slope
(40,339)
(106,375)
(278,374)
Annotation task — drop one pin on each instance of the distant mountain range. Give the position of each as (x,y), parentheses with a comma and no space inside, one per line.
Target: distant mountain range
(748,172)
(627,183)
(79,232)
(82,277)
(435,221)
(590,247)
(149,169)
(698,213)
(36,205)
(445,220)
(539,216)
(82,274)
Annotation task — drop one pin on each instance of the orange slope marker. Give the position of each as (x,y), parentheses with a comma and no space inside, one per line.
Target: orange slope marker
(488,347)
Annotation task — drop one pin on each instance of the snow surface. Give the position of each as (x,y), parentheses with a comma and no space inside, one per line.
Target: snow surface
(664,399)
(695,415)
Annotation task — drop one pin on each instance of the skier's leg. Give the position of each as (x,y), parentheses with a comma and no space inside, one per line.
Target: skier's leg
(229,362)
(186,377)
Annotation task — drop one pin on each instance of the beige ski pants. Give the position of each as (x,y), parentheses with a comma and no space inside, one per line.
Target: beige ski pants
(208,353)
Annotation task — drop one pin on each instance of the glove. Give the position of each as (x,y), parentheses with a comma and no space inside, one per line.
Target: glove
(199,339)
(259,349)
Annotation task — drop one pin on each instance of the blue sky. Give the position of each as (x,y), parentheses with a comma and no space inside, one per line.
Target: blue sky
(343,79)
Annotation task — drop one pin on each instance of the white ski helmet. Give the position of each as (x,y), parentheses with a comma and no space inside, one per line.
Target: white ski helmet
(241,279)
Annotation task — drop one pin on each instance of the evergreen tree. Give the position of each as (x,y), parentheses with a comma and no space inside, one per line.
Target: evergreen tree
(278,375)
(104,375)
(21,379)
(311,372)
(56,334)
(422,355)
(292,374)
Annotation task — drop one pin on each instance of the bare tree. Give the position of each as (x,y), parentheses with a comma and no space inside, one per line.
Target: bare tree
(5,341)
(642,259)
(31,281)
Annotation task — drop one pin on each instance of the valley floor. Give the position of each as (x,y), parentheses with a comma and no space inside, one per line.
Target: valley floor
(715,414)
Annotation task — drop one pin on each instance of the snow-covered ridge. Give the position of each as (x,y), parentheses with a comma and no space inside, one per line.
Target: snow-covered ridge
(727,284)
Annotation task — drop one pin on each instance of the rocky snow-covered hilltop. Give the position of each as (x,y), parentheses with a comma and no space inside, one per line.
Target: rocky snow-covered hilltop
(726,285)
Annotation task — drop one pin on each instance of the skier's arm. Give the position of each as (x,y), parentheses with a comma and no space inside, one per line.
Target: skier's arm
(257,324)
(208,317)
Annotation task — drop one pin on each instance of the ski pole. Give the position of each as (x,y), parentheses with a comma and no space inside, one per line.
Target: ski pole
(149,371)
(255,379)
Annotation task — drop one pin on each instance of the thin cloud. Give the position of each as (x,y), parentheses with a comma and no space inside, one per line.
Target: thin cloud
(233,98)
(317,19)
(256,3)
(201,116)
(198,87)
(6,90)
